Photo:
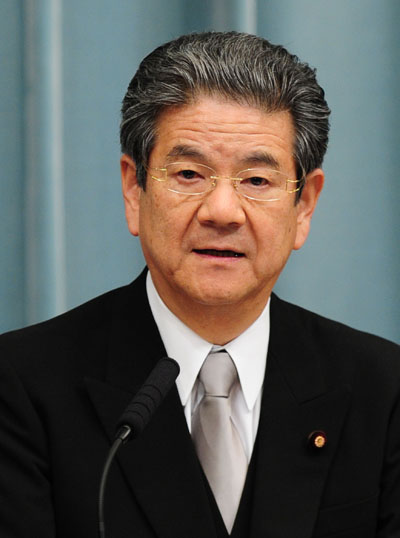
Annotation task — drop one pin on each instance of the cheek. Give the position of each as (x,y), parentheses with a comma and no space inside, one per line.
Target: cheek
(152,214)
(279,225)
(161,224)
(289,223)
(277,236)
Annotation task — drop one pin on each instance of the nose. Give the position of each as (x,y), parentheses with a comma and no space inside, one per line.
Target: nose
(222,206)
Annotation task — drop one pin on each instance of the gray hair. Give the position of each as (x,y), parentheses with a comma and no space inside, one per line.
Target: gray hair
(240,67)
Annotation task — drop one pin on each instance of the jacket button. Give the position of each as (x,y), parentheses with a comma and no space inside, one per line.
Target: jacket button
(317,439)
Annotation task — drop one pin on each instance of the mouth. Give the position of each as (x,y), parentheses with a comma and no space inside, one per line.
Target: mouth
(219,253)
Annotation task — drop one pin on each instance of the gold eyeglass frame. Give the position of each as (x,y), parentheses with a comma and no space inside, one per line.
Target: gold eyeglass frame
(234,180)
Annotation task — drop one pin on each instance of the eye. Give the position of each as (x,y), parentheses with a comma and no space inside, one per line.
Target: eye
(188,174)
(192,174)
(255,181)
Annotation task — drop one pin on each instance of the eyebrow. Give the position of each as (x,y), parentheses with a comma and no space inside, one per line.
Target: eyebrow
(185,151)
(261,157)
(257,158)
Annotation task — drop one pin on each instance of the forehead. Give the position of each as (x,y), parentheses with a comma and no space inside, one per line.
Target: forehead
(220,131)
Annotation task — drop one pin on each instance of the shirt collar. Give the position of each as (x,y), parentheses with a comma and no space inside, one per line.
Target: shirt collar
(248,350)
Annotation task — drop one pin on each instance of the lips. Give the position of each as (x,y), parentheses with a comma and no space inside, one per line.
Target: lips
(219,253)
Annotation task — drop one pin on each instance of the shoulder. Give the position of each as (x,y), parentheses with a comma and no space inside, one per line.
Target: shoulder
(325,330)
(341,350)
(70,336)
(71,324)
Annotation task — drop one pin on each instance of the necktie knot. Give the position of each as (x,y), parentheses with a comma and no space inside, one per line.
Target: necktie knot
(218,374)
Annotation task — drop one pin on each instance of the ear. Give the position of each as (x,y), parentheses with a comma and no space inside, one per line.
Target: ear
(131,192)
(306,205)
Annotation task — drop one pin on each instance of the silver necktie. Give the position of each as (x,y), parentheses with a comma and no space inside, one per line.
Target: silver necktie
(216,439)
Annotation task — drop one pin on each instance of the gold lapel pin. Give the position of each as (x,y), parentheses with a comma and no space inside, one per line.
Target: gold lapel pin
(317,439)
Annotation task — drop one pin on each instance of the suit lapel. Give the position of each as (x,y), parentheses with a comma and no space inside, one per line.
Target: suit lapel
(290,473)
(161,466)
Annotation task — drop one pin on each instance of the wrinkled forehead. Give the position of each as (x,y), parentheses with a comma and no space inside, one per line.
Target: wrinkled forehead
(210,129)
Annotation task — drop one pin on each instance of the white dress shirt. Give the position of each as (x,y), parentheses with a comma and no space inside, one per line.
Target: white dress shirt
(248,351)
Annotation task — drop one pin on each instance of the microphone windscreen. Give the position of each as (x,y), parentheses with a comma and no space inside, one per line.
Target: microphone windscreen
(139,412)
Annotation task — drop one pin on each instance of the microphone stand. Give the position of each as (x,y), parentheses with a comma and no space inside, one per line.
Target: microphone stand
(135,418)
(123,436)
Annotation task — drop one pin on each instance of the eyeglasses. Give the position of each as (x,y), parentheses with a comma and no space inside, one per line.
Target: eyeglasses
(193,179)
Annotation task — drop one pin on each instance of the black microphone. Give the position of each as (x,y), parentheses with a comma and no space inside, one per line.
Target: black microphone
(136,417)
(139,412)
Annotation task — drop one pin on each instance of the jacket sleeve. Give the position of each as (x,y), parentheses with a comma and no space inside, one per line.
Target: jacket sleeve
(26,509)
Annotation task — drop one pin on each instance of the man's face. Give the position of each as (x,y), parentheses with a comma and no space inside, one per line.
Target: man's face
(218,248)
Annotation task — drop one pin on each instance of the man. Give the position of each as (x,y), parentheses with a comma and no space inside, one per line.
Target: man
(223,136)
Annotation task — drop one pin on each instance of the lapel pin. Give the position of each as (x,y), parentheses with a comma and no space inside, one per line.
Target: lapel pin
(317,439)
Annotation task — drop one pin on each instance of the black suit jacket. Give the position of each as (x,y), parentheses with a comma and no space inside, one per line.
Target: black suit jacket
(65,382)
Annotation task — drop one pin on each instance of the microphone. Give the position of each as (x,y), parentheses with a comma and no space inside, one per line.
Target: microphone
(139,412)
(136,417)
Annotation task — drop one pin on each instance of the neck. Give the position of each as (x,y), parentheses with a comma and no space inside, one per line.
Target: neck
(218,324)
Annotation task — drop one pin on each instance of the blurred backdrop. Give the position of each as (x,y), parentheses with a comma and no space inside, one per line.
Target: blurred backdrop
(65,66)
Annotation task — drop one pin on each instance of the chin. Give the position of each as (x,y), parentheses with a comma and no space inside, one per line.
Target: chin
(217,296)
